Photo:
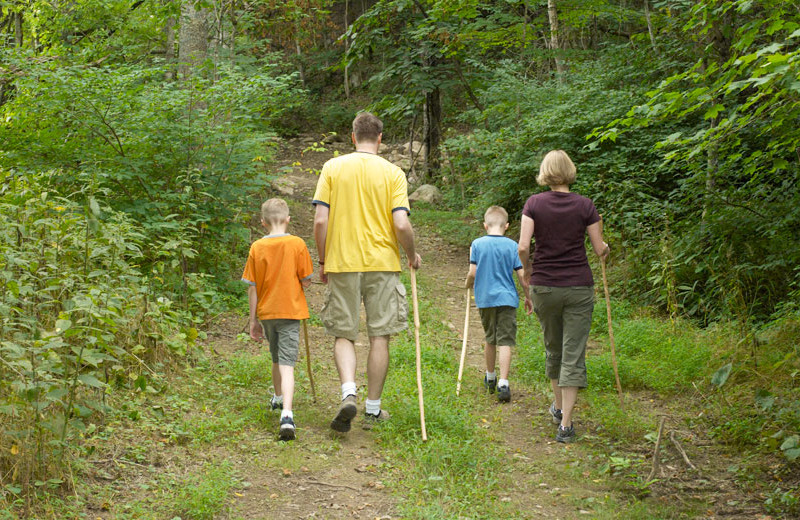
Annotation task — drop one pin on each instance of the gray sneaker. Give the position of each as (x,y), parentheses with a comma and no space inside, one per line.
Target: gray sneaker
(370,420)
(565,435)
(503,394)
(347,410)
(556,413)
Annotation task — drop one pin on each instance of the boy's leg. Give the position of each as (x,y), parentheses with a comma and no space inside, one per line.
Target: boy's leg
(287,385)
(490,354)
(271,332)
(277,384)
(505,361)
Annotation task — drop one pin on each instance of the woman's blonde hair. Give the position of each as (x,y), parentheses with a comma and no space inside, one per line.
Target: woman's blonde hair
(556,169)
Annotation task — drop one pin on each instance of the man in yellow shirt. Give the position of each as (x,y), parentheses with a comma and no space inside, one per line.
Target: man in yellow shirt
(361,215)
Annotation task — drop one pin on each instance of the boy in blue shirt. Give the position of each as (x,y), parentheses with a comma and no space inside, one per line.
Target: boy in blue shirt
(493,261)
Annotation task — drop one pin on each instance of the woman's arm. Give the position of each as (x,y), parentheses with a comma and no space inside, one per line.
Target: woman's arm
(524,247)
(596,237)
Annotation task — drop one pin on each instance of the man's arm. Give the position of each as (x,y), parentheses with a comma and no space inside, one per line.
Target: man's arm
(256,332)
(405,235)
(320,236)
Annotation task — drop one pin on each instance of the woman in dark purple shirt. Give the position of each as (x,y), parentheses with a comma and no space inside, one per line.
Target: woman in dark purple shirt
(561,279)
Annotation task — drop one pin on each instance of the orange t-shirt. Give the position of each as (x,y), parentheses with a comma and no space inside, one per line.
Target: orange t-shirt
(276,265)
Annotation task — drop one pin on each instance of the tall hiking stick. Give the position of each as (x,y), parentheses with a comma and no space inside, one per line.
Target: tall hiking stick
(419,356)
(610,328)
(463,347)
(308,361)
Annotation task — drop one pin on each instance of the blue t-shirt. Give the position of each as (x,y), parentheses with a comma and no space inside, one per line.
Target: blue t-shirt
(497,258)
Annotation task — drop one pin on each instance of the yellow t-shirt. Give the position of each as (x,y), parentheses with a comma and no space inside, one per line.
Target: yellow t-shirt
(362,191)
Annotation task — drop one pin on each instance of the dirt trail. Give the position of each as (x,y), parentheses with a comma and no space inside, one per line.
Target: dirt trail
(347,481)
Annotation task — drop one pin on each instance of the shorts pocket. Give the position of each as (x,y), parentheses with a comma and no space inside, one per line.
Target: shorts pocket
(402,304)
(542,289)
(323,313)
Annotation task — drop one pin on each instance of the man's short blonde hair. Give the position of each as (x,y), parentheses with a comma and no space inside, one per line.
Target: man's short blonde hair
(367,127)
(274,211)
(495,216)
(556,169)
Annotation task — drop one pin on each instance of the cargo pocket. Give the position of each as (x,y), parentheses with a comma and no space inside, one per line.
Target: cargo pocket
(402,304)
(323,313)
(540,292)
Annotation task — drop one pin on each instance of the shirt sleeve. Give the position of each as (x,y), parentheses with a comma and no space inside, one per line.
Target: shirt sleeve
(249,275)
(323,193)
(400,193)
(591,213)
(517,263)
(527,210)
(473,254)
(304,267)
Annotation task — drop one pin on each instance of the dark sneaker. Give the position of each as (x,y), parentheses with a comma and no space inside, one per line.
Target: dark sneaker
(556,413)
(287,429)
(347,410)
(503,394)
(565,435)
(490,384)
(371,420)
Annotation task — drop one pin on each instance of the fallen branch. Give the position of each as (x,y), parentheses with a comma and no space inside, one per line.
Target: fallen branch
(680,450)
(328,484)
(656,453)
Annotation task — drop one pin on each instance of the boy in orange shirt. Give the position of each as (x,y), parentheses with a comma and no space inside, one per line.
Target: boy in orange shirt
(278,269)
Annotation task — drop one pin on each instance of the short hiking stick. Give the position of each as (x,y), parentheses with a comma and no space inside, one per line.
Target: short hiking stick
(463,347)
(419,356)
(308,361)
(610,328)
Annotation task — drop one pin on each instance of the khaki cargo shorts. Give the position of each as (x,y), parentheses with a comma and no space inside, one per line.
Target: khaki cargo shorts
(500,325)
(384,300)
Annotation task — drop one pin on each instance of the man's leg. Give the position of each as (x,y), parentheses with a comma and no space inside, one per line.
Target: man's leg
(377,366)
(344,353)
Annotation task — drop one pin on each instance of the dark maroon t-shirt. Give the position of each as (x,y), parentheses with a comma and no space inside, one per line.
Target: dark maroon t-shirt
(559,231)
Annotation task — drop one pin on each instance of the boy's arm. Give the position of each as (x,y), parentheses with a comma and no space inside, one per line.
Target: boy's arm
(470,282)
(256,332)
(321,236)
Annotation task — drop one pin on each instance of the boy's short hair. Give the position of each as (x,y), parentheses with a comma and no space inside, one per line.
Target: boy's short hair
(367,127)
(495,216)
(274,211)
(556,169)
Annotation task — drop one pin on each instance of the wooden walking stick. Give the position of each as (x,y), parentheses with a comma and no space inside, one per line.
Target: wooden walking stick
(610,328)
(419,356)
(463,347)
(308,361)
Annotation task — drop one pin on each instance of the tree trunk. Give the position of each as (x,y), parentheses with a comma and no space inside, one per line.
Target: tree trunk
(650,25)
(346,49)
(169,51)
(300,58)
(433,132)
(18,29)
(193,38)
(553,16)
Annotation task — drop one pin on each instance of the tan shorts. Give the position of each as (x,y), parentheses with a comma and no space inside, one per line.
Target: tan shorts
(384,300)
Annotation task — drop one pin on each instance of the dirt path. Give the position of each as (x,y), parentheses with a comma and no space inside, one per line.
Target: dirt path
(343,476)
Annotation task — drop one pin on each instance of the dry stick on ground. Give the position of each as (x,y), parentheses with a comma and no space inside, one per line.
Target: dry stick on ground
(463,347)
(680,450)
(610,328)
(308,361)
(419,356)
(656,453)
(321,483)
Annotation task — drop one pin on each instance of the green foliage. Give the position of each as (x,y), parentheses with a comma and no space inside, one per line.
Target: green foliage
(78,317)
(204,496)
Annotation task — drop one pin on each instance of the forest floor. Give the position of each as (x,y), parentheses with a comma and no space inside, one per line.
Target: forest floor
(207,445)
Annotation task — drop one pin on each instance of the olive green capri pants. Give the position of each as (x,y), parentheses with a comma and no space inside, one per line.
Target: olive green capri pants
(565,314)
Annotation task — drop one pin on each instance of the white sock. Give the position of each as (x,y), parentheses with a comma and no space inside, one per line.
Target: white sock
(491,376)
(277,399)
(348,389)
(373,407)
(287,413)
(502,382)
